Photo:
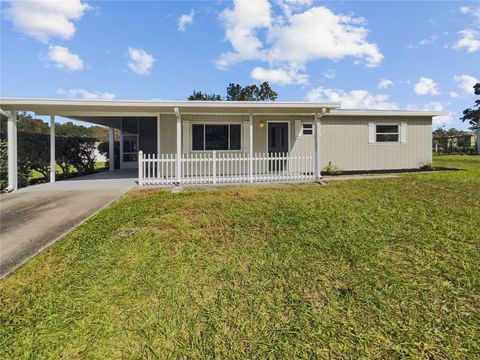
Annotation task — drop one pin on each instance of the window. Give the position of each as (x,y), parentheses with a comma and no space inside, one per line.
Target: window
(307,129)
(216,137)
(387,133)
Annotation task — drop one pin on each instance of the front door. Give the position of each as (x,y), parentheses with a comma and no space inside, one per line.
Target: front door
(277,143)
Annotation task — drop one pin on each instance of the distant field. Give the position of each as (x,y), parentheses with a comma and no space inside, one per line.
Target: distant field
(377,269)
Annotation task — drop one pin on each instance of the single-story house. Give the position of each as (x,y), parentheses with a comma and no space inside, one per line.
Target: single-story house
(476,130)
(181,142)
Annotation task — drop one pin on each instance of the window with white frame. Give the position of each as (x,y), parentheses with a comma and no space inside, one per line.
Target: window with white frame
(208,137)
(307,129)
(386,133)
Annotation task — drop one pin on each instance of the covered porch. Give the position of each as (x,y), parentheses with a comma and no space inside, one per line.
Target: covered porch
(189,142)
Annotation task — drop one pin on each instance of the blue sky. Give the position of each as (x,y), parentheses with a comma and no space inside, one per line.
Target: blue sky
(394,55)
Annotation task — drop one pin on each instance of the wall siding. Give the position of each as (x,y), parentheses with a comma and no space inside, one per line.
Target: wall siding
(344,140)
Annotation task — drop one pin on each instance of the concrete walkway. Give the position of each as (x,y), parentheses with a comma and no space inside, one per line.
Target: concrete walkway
(33,218)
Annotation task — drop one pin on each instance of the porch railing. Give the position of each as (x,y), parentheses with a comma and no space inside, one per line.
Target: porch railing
(225,168)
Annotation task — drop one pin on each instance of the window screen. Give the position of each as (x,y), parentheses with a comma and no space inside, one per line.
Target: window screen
(387,133)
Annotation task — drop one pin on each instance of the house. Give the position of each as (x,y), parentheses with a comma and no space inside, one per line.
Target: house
(454,143)
(476,130)
(181,142)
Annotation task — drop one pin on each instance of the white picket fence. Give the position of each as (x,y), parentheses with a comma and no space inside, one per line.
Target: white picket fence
(225,168)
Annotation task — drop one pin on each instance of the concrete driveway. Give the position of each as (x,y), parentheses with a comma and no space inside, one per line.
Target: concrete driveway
(33,218)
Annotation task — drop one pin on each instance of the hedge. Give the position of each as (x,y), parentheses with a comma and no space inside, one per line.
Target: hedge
(34,154)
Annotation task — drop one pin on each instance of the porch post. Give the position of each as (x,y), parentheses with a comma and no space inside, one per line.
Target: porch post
(12,150)
(52,148)
(178,167)
(318,165)
(250,146)
(111,149)
(158,136)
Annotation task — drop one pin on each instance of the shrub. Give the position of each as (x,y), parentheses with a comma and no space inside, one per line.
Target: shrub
(103,148)
(331,169)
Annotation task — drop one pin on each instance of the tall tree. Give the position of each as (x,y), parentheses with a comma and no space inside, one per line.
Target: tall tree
(235,92)
(198,95)
(473,115)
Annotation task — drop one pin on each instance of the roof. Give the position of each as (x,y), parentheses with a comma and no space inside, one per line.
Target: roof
(71,107)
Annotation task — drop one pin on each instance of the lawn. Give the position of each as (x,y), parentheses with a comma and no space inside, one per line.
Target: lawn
(37,175)
(379,268)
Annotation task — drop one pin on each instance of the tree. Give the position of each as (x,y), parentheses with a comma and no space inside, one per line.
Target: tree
(235,92)
(198,95)
(473,115)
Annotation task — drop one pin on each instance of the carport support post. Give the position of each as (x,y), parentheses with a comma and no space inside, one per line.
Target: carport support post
(52,148)
(178,164)
(111,149)
(12,150)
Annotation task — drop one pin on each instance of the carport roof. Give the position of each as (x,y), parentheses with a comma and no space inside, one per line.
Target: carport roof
(153,107)
(81,108)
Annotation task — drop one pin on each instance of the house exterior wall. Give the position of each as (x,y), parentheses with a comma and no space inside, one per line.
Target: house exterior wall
(344,139)
(345,143)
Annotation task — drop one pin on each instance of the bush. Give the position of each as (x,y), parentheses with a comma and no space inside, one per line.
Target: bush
(331,169)
(103,148)
(76,152)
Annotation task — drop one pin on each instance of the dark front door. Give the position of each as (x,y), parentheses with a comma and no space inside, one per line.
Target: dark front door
(277,143)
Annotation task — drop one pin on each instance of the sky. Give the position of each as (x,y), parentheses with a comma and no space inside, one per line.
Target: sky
(365,54)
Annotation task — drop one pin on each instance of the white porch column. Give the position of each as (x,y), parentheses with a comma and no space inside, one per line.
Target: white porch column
(52,148)
(250,147)
(158,135)
(12,150)
(111,149)
(318,163)
(178,167)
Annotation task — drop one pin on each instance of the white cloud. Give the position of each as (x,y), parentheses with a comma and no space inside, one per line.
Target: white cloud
(241,24)
(433,106)
(426,86)
(185,20)
(466,10)
(293,38)
(470,40)
(43,20)
(384,83)
(63,59)
(466,83)
(85,94)
(453,94)
(355,99)
(329,74)
(140,62)
(279,76)
(425,41)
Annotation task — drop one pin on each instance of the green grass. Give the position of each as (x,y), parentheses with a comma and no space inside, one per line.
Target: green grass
(385,268)
(37,175)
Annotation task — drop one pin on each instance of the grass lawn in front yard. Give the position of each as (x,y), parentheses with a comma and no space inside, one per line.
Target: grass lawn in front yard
(384,268)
